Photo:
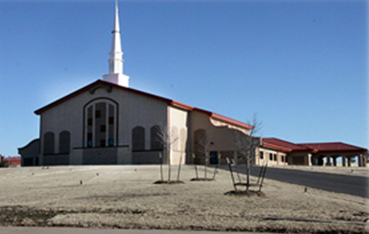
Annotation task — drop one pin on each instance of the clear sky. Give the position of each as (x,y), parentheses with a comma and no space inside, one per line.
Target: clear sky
(302,66)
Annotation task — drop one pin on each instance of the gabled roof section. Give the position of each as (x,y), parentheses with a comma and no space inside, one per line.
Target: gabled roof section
(225,119)
(92,87)
(101,83)
(282,145)
(324,147)
(181,105)
(333,147)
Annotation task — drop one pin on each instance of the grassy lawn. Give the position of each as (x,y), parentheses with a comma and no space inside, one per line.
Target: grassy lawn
(126,197)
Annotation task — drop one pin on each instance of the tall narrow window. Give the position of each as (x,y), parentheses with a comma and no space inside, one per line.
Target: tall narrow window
(100,123)
(49,143)
(64,142)
(138,138)
(261,155)
(155,141)
(201,143)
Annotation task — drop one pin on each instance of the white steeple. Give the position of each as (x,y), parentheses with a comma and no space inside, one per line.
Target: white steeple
(116,61)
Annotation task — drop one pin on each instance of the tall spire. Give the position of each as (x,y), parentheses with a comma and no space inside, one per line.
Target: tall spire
(116,61)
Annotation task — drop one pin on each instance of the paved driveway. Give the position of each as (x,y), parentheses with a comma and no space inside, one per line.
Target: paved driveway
(348,184)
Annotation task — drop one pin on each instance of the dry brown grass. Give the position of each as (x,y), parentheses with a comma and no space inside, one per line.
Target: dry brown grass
(126,197)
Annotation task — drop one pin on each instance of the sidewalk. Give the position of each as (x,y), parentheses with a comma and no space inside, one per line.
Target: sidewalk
(57,230)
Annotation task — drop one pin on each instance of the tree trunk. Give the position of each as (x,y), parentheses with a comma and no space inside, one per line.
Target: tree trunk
(179,168)
(161,167)
(168,172)
(206,162)
(248,175)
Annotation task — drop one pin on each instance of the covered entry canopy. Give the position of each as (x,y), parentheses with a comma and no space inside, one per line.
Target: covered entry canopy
(334,150)
(324,153)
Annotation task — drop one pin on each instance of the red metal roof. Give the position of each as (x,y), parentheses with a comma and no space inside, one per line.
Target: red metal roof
(286,146)
(169,101)
(333,147)
(225,119)
(231,121)
(323,147)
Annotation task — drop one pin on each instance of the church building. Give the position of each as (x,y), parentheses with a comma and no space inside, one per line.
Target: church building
(107,122)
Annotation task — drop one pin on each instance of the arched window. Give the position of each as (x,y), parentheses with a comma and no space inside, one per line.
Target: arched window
(202,142)
(64,142)
(49,143)
(100,128)
(155,139)
(138,138)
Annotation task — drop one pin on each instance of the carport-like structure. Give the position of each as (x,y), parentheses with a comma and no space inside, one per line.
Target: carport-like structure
(309,154)
(328,153)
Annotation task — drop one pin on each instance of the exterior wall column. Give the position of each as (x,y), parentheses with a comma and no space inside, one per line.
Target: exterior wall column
(364,160)
(343,161)
(328,161)
(335,161)
(348,161)
(360,160)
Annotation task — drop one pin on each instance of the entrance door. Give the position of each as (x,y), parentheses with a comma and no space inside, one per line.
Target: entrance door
(213,157)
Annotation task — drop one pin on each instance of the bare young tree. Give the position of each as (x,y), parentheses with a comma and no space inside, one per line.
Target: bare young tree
(166,138)
(246,146)
(203,140)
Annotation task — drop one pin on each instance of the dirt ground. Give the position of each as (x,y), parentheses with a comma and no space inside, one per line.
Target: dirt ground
(126,197)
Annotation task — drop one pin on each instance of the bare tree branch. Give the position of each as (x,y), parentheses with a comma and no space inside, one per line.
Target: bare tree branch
(246,146)
(167,138)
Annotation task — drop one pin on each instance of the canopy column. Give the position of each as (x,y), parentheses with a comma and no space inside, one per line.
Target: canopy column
(334,161)
(328,161)
(349,161)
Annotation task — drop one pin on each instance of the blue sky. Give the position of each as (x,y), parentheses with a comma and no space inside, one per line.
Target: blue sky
(300,65)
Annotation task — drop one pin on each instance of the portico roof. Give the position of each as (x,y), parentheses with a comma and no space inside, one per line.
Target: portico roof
(323,147)
(282,145)
(333,147)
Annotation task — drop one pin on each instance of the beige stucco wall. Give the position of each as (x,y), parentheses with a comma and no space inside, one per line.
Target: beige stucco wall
(179,133)
(133,110)
(222,136)
(266,158)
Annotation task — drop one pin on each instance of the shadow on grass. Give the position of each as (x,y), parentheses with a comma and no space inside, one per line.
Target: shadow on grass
(169,182)
(245,193)
(202,179)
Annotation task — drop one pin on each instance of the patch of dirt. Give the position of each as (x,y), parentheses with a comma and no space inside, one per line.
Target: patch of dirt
(245,193)
(202,179)
(245,184)
(168,182)
(24,216)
